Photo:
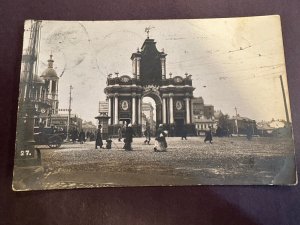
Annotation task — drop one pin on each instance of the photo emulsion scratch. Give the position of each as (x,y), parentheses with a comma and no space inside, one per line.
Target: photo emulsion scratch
(153,103)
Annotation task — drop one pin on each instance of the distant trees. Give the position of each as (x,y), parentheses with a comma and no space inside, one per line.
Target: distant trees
(223,126)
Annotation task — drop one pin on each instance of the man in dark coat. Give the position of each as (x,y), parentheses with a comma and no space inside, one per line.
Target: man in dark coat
(74,135)
(249,132)
(208,136)
(99,141)
(129,132)
(147,134)
(81,137)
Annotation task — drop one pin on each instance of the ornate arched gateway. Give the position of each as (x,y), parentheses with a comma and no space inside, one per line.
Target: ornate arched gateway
(172,95)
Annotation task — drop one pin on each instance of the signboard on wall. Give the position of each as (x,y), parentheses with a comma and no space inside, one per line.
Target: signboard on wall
(103,107)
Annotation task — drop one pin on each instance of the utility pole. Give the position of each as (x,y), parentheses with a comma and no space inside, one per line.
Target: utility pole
(26,154)
(284,100)
(236,121)
(69,112)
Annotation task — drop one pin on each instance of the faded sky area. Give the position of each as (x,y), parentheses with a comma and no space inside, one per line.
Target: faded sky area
(234,62)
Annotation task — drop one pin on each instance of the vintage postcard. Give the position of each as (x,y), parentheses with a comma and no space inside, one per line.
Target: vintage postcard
(153,103)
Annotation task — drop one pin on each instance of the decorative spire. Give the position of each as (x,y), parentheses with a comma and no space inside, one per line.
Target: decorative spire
(147,30)
(50,61)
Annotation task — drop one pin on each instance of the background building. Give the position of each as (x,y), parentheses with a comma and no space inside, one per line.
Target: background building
(44,94)
(202,116)
(239,125)
(148,117)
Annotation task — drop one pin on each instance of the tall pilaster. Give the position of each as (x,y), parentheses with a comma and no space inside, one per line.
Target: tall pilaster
(50,89)
(134,67)
(116,111)
(139,110)
(164,110)
(41,91)
(138,67)
(163,68)
(56,90)
(188,114)
(109,110)
(171,108)
(133,109)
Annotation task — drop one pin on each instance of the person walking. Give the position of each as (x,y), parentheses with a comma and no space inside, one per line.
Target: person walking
(147,134)
(99,141)
(74,135)
(119,134)
(160,139)
(208,136)
(249,132)
(81,137)
(129,132)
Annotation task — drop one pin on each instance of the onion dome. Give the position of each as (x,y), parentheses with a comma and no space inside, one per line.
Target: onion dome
(50,73)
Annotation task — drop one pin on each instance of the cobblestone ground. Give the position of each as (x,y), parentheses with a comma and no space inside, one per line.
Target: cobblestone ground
(187,162)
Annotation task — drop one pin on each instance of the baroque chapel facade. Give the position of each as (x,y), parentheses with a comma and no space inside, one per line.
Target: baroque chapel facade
(172,95)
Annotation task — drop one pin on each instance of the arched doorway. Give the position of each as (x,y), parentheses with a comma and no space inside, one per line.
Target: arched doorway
(152,95)
(151,111)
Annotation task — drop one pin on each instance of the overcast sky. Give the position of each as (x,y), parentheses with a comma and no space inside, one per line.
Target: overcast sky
(234,62)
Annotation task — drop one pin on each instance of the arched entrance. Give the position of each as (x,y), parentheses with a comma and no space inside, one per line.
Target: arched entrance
(151,111)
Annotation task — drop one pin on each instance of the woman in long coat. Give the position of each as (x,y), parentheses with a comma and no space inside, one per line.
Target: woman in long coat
(99,141)
(129,132)
(160,139)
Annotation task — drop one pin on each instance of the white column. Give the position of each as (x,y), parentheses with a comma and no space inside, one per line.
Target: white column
(133,66)
(116,119)
(109,110)
(57,89)
(25,91)
(50,88)
(164,110)
(36,93)
(188,114)
(139,110)
(163,67)
(171,109)
(41,90)
(138,67)
(133,110)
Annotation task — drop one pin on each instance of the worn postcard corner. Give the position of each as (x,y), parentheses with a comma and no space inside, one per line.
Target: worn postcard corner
(153,103)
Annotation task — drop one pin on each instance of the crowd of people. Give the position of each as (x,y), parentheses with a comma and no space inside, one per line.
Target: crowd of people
(81,136)
(126,134)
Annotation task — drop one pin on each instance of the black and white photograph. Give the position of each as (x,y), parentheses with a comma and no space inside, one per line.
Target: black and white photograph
(153,103)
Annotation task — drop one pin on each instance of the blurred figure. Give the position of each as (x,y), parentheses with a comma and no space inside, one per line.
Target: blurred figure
(160,139)
(99,141)
(129,132)
(208,136)
(81,137)
(249,132)
(119,134)
(147,134)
